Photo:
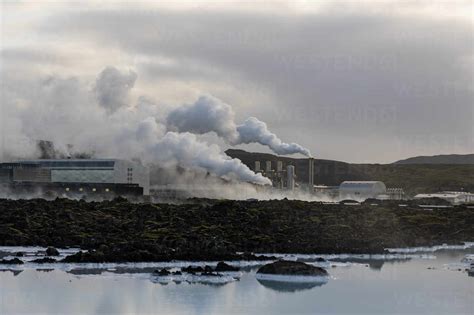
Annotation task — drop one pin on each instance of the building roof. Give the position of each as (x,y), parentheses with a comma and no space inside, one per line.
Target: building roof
(361,182)
(68,163)
(450,194)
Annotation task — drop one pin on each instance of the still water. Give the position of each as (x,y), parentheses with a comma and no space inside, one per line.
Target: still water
(431,283)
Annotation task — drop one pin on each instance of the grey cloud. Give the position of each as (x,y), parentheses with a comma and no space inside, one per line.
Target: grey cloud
(334,75)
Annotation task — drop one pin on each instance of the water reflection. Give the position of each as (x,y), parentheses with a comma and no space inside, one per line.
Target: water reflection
(402,286)
(374,264)
(13,271)
(281,286)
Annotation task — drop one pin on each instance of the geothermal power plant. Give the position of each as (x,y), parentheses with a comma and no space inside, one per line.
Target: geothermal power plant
(109,178)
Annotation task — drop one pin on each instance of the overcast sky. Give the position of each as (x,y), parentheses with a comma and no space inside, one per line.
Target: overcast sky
(356,81)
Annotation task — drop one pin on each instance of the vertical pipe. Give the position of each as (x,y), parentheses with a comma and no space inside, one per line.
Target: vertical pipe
(268,166)
(257,166)
(290,177)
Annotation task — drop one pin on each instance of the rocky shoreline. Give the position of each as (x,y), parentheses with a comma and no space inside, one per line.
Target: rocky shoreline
(120,231)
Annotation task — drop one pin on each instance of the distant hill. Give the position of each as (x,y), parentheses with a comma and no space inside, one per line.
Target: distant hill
(413,178)
(440,159)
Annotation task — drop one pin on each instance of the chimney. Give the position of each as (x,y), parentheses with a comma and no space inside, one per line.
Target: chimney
(311,174)
(279,166)
(290,177)
(257,166)
(268,166)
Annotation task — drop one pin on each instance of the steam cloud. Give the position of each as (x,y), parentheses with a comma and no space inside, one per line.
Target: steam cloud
(66,112)
(190,152)
(209,114)
(112,88)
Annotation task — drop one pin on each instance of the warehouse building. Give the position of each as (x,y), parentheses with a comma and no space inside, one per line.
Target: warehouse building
(454,197)
(361,190)
(78,175)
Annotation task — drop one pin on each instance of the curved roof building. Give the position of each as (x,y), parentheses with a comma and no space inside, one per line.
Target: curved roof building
(361,190)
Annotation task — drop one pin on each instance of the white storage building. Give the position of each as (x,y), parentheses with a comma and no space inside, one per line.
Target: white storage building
(454,197)
(361,190)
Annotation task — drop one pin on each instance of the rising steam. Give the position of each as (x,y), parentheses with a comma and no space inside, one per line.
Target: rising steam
(209,114)
(112,88)
(189,152)
(66,112)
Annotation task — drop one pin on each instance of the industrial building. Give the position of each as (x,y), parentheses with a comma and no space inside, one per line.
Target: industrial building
(77,176)
(355,190)
(361,190)
(324,191)
(285,178)
(454,197)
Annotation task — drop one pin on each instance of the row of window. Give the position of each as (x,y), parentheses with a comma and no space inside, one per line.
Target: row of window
(82,189)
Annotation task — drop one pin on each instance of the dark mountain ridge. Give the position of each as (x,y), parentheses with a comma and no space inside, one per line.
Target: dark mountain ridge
(439,159)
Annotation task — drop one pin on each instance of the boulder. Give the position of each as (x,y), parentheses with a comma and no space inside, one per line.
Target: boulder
(14,261)
(292,268)
(223,267)
(163,272)
(191,269)
(211,274)
(51,251)
(45,260)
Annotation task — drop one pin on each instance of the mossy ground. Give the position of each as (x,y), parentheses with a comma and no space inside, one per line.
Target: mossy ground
(215,229)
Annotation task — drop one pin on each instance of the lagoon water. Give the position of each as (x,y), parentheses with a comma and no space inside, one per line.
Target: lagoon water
(433,283)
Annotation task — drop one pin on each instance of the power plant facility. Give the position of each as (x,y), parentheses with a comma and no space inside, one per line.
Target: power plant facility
(109,178)
(284,178)
(287,180)
(76,177)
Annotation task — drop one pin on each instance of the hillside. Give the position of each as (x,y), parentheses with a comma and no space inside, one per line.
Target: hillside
(413,178)
(439,159)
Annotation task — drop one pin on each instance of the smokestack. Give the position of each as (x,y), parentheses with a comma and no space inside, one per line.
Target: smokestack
(268,166)
(279,166)
(290,177)
(311,174)
(257,166)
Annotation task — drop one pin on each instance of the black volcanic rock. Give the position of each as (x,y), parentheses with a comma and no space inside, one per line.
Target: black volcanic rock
(215,230)
(51,251)
(163,272)
(14,261)
(191,269)
(223,267)
(46,260)
(293,268)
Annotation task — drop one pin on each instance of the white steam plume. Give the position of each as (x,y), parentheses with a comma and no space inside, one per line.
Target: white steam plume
(188,151)
(209,114)
(65,111)
(112,88)
(205,115)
